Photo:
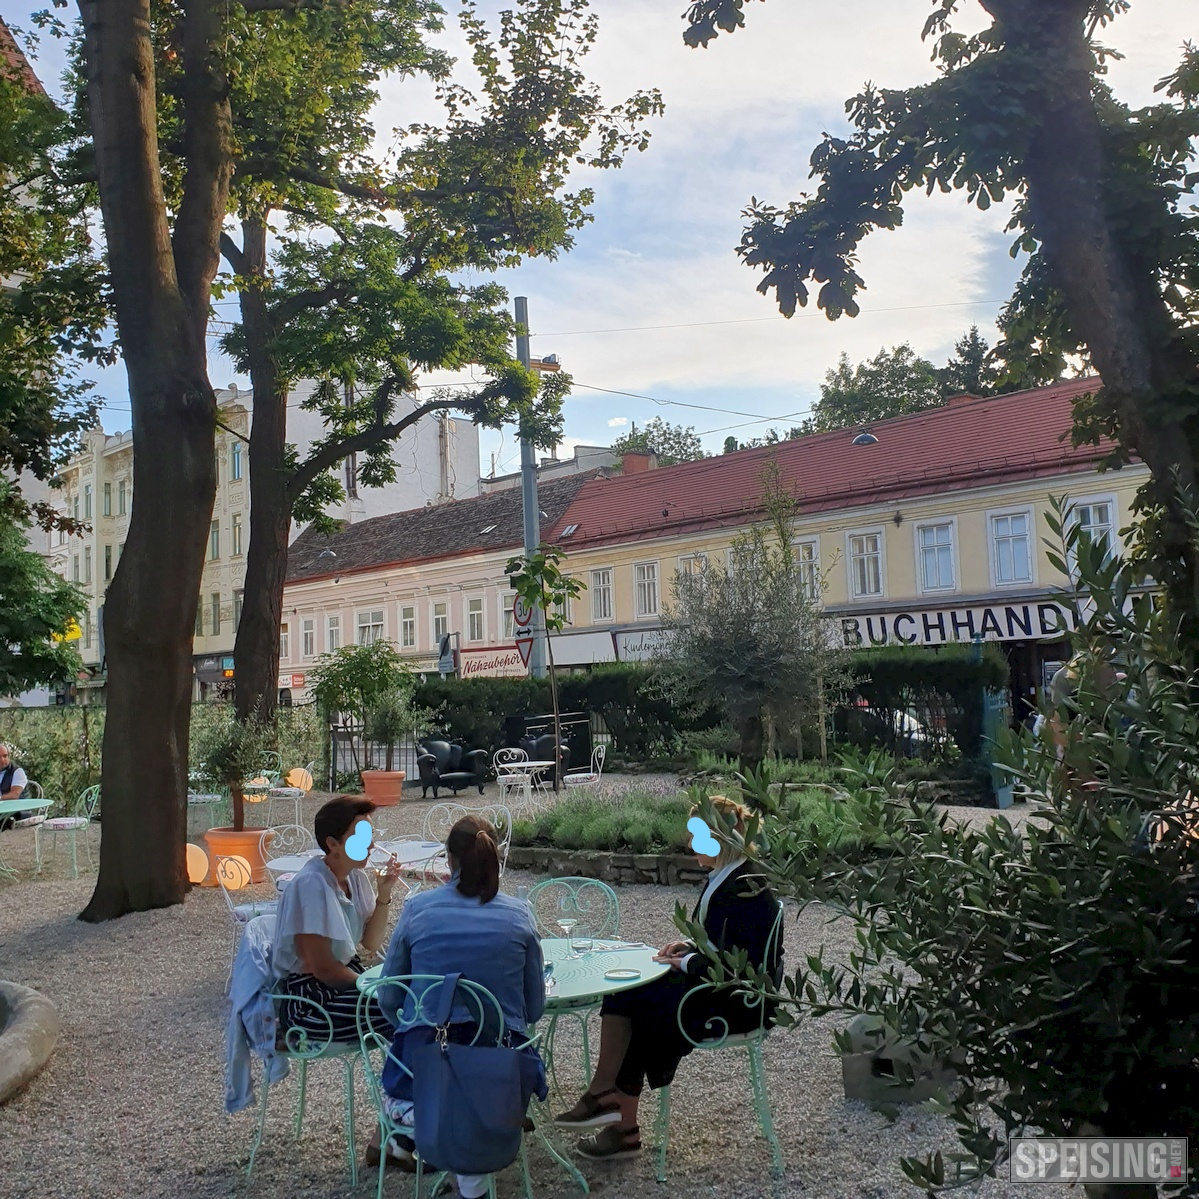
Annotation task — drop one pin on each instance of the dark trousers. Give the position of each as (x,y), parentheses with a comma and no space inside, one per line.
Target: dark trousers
(341,1006)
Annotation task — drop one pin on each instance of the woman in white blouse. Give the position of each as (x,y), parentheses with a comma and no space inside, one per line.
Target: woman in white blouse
(326,912)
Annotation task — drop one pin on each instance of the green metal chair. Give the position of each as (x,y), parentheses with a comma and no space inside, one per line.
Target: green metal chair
(376,1047)
(594,908)
(302,1046)
(70,826)
(751,1042)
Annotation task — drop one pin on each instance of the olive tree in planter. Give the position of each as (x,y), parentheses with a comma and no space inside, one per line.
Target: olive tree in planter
(371,687)
(539,581)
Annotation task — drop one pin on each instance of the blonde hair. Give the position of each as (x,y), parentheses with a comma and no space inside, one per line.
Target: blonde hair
(740,814)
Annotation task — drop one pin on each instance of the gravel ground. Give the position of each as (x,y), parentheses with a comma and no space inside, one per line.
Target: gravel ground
(132,1102)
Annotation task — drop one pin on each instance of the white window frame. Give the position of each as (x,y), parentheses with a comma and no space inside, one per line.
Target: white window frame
(122,497)
(239,603)
(87,501)
(609,589)
(471,613)
(332,622)
(307,637)
(407,626)
(814,584)
(434,618)
(990,516)
(566,611)
(214,541)
(507,620)
(868,531)
(933,523)
(107,509)
(214,607)
(692,564)
(370,614)
(640,612)
(235,466)
(1082,501)
(284,641)
(235,532)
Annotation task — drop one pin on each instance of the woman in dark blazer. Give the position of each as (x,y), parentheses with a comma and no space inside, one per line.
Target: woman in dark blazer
(640,1038)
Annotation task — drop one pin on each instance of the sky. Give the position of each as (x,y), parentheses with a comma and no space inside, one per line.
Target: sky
(652,300)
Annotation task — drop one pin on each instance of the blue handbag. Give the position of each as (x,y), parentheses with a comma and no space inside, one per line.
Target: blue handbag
(468,1099)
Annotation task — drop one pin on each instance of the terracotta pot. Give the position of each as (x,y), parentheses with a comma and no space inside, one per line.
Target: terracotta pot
(229,843)
(383,787)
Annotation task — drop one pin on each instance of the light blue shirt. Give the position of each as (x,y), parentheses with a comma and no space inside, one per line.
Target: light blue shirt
(493,944)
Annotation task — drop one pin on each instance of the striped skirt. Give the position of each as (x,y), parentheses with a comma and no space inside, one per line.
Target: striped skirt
(340,1006)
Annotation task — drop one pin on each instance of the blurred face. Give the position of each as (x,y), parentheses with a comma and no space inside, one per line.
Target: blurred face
(354,848)
(4,759)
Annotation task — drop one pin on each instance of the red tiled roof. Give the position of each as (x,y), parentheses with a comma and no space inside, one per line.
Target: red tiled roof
(14,63)
(964,443)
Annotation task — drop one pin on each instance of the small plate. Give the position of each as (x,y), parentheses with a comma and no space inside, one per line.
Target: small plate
(621,976)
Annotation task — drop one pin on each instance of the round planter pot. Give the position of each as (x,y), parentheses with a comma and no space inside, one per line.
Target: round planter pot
(229,843)
(383,787)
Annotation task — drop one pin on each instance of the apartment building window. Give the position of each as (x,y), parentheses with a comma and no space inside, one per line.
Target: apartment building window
(87,501)
(75,507)
(87,630)
(121,498)
(87,565)
(216,463)
(308,637)
(62,537)
(239,602)
(866,564)
(807,557)
(1096,521)
(645,588)
(235,461)
(474,620)
(370,626)
(200,618)
(407,627)
(107,499)
(120,549)
(216,613)
(509,619)
(74,568)
(1011,547)
(564,611)
(936,556)
(601,594)
(284,642)
(235,533)
(214,541)
(332,634)
(107,563)
(693,564)
(441,622)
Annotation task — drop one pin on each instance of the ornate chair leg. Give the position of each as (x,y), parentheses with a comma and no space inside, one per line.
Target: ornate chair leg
(266,1090)
(583,1020)
(302,1071)
(757,1080)
(351,1148)
(662,1132)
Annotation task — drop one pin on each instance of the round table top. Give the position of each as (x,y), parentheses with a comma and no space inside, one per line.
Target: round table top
(580,979)
(407,853)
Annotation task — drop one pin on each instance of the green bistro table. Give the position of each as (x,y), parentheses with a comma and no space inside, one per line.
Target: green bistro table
(10,807)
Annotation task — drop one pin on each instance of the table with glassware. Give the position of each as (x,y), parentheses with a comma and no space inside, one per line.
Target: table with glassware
(10,807)
(412,855)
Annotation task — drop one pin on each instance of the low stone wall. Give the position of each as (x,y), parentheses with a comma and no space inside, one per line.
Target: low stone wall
(665,869)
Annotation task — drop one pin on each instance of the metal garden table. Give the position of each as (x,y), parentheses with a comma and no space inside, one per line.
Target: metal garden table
(10,807)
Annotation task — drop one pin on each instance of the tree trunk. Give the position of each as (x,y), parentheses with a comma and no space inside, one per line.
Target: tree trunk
(549,653)
(161,295)
(751,739)
(1114,301)
(256,649)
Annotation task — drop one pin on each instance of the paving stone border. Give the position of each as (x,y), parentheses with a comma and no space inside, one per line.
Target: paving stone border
(29,1028)
(665,869)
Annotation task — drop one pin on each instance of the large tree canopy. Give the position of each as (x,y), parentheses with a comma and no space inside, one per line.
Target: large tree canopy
(671,443)
(1102,207)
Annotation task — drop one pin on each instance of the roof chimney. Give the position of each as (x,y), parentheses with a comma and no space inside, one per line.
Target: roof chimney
(637,462)
(961,398)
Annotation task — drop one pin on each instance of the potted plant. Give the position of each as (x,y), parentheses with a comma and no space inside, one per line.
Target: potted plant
(371,685)
(233,752)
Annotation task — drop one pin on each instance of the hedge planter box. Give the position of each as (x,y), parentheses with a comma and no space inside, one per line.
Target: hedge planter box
(665,869)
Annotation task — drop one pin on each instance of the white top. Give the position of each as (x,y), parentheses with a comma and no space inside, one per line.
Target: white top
(19,778)
(315,904)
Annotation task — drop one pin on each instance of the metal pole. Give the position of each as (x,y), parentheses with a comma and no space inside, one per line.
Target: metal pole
(528,493)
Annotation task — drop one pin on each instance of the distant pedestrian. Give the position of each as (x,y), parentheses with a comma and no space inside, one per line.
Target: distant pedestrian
(12,782)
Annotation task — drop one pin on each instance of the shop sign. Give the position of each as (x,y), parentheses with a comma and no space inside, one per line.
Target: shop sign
(1045,620)
(640,645)
(503,662)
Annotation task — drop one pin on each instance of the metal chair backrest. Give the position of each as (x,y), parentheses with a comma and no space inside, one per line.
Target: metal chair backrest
(716,1028)
(232,874)
(406,1000)
(440,818)
(33,790)
(597,759)
(285,839)
(590,903)
(508,757)
(89,801)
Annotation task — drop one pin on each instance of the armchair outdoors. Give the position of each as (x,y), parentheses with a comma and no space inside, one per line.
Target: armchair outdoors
(451,766)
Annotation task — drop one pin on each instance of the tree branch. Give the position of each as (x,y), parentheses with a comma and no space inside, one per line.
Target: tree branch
(289,5)
(386,195)
(233,256)
(337,289)
(221,425)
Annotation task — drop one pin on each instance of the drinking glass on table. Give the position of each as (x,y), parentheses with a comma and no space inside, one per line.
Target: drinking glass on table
(567,918)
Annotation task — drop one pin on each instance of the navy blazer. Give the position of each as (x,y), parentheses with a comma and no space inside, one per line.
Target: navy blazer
(742,913)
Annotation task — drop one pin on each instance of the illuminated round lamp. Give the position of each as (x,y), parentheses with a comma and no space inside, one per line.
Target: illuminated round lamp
(197,863)
(233,873)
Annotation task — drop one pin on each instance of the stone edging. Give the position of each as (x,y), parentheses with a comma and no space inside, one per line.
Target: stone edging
(29,1028)
(665,869)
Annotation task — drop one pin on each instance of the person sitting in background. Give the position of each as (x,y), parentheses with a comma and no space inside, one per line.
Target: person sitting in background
(326,912)
(12,783)
(640,1038)
(466,927)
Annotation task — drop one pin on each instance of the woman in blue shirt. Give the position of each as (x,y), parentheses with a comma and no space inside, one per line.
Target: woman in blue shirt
(466,927)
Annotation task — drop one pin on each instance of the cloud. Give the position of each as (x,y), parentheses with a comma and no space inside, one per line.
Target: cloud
(617,421)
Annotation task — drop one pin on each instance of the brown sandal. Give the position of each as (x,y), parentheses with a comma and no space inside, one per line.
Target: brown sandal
(611,1144)
(589,1112)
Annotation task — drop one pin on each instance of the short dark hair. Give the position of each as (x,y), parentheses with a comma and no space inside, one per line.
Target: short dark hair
(335,817)
(474,845)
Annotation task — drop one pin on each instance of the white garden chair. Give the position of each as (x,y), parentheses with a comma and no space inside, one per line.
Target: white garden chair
(68,826)
(442,817)
(514,783)
(234,874)
(587,778)
(282,842)
(296,786)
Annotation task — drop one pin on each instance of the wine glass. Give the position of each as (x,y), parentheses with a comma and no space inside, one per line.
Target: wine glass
(566,918)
